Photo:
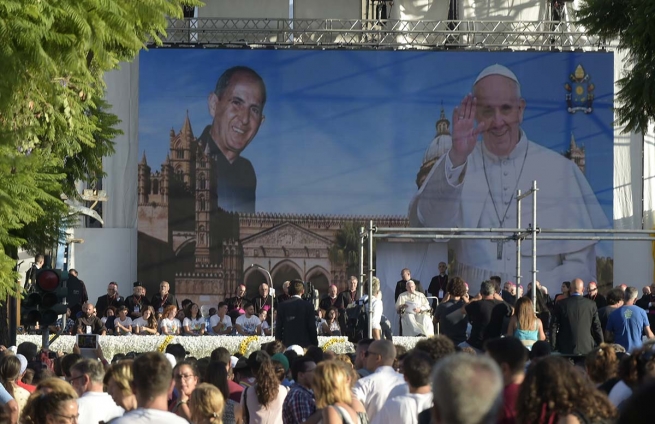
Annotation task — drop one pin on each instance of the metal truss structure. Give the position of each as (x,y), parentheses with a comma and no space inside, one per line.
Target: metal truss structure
(380,34)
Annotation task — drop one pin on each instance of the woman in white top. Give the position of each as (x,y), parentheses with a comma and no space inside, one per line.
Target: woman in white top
(169,324)
(331,325)
(194,323)
(146,324)
(9,373)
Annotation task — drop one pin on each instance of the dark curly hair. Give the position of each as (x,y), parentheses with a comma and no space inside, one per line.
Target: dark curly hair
(456,287)
(638,366)
(437,347)
(553,387)
(601,363)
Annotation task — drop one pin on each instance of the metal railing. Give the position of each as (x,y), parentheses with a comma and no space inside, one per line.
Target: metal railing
(361,33)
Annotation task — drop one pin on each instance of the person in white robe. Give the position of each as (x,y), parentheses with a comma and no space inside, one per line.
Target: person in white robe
(475,185)
(415,312)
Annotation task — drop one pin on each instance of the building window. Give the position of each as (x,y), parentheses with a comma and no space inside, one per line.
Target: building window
(179,153)
(203,203)
(155,187)
(202,182)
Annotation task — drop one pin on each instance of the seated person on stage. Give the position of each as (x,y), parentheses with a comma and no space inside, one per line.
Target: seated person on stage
(248,324)
(331,300)
(285,292)
(417,320)
(331,326)
(263,317)
(235,305)
(401,285)
(89,323)
(221,323)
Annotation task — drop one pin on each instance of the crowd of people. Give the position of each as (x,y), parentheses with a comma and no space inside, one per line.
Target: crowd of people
(113,314)
(435,382)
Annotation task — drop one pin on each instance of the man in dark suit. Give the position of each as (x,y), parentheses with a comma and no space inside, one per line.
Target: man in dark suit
(112,298)
(576,328)
(401,286)
(164,298)
(438,284)
(296,324)
(592,294)
(347,298)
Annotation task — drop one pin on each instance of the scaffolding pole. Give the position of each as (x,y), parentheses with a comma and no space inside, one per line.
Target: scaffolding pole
(360,286)
(369,309)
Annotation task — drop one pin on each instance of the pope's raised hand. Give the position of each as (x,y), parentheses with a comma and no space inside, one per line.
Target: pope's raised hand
(465,132)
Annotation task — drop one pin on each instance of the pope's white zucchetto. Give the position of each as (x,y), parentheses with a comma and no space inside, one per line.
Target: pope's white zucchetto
(497,70)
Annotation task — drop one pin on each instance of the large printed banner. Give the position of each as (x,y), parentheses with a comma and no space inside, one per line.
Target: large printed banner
(253,161)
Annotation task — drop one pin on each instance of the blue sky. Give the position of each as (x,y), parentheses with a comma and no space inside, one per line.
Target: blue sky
(346,131)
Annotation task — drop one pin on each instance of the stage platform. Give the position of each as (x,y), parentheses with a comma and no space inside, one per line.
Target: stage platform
(198,347)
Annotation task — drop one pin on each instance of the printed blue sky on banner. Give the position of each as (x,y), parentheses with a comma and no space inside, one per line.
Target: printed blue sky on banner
(346,131)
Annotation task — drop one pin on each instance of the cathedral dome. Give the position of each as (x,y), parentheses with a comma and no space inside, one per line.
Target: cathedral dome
(439,146)
(441,143)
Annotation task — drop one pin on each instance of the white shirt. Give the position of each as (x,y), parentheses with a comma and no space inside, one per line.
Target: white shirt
(172,325)
(148,416)
(619,393)
(126,323)
(97,406)
(214,320)
(404,409)
(401,390)
(194,324)
(373,391)
(249,325)
(376,306)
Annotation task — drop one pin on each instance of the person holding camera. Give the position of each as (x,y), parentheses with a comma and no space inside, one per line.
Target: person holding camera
(295,319)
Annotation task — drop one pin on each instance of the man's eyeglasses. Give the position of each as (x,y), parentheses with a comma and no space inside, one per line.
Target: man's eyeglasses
(71,379)
(183,376)
(368,353)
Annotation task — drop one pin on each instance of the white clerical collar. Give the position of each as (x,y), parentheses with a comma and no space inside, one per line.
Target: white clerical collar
(517,153)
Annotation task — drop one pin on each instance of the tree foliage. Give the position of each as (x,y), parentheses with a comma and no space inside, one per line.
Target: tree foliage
(631,22)
(345,249)
(55,127)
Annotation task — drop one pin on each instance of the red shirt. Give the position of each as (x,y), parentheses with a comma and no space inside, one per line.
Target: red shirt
(235,390)
(27,387)
(510,394)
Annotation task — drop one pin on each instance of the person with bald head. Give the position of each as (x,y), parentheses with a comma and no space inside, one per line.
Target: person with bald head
(593,294)
(575,328)
(474,186)
(373,391)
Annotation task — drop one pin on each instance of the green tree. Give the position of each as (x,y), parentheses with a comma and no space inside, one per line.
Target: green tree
(345,250)
(54,125)
(631,23)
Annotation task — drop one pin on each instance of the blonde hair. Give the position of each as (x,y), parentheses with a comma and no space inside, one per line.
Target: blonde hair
(375,286)
(206,402)
(121,372)
(331,384)
(525,316)
(55,385)
(46,399)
